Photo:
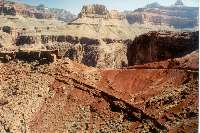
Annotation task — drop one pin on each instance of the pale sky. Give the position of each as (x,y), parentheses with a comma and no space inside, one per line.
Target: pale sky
(75,5)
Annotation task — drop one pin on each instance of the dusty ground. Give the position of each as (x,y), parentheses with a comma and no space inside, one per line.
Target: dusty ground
(69,97)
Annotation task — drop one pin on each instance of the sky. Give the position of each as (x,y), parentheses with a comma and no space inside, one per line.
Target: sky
(75,5)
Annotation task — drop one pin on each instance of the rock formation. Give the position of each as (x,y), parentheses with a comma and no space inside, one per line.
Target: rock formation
(39,12)
(107,42)
(99,15)
(157,46)
(42,56)
(96,74)
(99,11)
(94,11)
(176,16)
(113,53)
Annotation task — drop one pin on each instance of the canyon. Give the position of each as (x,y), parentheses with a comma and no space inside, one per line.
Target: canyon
(107,53)
(179,17)
(97,72)
(39,12)
(176,16)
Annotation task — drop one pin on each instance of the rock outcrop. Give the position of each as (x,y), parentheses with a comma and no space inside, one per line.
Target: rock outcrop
(91,52)
(100,15)
(93,11)
(42,56)
(39,12)
(157,46)
(99,11)
(113,53)
(178,17)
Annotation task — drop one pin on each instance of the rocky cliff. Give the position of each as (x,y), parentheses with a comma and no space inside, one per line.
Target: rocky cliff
(157,46)
(99,11)
(114,53)
(39,12)
(155,14)
(96,53)
(108,41)
(178,17)
(89,51)
(93,11)
(100,15)
(46,88)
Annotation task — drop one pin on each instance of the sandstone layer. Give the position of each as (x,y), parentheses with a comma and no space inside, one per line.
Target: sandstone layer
(114,53)
(39,12)
(176,16)
(100,15)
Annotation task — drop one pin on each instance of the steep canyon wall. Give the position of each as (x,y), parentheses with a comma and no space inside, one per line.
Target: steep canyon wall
(113,53)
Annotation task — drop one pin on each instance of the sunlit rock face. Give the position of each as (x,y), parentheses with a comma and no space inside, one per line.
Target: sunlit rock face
(99,11)
(100,15)
(38,12)
(178,16)
(94,11)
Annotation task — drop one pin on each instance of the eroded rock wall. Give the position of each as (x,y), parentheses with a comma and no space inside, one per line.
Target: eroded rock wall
(157,46)
(112,55)
(91,52)
(178,17)
(42,56)
(40,12)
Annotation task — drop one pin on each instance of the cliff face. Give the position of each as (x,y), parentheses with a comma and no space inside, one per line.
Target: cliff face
(39,12)
(100,15)
(178,17)
(157,46)
(102,53)
(62,14)
(92,10)
(113,53)
(155,14)
(100,38)
(100,11)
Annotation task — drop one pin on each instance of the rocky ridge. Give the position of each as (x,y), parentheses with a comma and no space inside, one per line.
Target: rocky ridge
(102,46)
(99,15)
(177,16)
(113,53)
(38,12)
(158,46)
(155,14)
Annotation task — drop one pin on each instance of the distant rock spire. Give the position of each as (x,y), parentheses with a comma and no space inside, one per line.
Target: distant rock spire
(179,3)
